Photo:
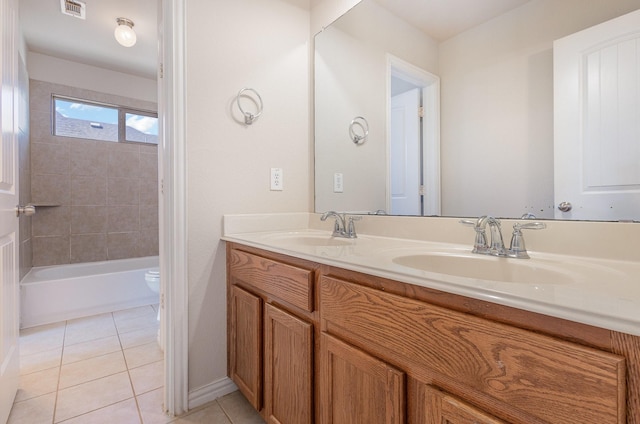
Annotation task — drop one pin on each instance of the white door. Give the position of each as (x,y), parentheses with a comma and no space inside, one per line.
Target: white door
(597,121)
(9,324)
(405,154)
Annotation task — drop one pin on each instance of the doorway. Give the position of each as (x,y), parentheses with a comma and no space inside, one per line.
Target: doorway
(413,139)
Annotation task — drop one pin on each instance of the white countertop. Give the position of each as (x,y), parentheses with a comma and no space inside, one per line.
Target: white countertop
(599,292)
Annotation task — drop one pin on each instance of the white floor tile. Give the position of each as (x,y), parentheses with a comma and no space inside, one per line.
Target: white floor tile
(150,405)
(41,338)
(33,411)
(96,394)
(139,337)
(91,369)
(147,377)
(142,355)
(90,349)
(37,384)
(125,412)
(85,329)
(238,408)
(211,414)
(40,361)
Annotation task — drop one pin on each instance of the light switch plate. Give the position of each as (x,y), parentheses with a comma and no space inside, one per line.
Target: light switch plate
(338,182)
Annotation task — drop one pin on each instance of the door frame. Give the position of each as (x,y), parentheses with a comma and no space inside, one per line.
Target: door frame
(430,84)
(173,223)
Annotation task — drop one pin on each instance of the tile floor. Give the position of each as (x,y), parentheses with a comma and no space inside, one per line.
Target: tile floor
(105,369)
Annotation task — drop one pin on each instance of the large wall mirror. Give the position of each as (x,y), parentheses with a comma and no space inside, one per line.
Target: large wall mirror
(475,82)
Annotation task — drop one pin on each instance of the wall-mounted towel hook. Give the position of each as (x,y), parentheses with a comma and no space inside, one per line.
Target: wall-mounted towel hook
(359,122)
(256,99)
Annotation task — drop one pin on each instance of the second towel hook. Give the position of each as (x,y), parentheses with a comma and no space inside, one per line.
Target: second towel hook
(361,122)
(248,116)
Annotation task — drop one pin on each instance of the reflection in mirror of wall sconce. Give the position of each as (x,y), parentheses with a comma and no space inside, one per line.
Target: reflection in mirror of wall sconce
(361,122)
(256,99)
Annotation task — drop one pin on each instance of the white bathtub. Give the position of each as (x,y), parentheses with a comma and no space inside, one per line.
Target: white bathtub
(57,293)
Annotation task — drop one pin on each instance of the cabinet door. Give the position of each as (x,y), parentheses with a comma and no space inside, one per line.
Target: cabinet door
(288,367)
(357,388)
(442,408)
(245,345)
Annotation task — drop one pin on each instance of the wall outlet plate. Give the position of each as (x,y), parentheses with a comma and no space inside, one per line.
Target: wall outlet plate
(276,179)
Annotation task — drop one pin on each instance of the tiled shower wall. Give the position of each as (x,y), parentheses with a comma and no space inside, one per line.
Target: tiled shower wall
(96,200)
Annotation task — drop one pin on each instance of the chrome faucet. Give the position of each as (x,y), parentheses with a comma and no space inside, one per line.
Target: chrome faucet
(496,247)
(344,225)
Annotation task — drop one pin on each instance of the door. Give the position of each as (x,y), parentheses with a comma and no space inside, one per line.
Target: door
(596,130)
(405,153)
(245,340)
(357,388)
(288,368)
(9,319)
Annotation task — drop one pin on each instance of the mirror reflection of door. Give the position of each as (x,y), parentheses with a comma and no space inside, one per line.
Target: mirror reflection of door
(405,158)
(597,133)
(413,140)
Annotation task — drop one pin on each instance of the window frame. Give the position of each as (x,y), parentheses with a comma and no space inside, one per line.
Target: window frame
(121,122)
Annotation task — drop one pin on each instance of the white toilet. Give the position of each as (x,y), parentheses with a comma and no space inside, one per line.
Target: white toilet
(152,278)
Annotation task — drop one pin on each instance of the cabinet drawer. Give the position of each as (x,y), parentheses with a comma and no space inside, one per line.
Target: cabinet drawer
(289,283)
(550,379)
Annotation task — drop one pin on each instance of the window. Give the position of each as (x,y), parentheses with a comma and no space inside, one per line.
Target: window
(97,121)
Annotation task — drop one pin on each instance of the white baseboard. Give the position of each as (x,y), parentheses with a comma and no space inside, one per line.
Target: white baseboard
(211,392)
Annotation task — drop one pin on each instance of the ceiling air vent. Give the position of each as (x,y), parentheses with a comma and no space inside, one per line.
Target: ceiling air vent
(73,8)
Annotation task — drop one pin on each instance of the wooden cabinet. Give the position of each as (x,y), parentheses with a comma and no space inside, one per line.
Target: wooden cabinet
(313,343)
(446,409)
(288,367)
(271,336)
(357,388)
(245,344)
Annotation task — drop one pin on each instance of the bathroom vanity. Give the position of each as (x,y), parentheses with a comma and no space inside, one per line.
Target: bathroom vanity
(315,336)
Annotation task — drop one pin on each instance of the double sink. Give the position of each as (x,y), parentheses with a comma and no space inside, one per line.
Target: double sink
(437,258)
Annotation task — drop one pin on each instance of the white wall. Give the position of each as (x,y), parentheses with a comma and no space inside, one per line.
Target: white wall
(497,107)
(59,71)
(230,45)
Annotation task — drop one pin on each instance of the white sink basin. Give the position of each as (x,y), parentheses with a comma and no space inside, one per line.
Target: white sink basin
(485,267)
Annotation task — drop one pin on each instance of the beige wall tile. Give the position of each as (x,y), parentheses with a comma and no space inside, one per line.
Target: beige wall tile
(51,221)
(149,217)
(123,219)
(49,158)
(50,250)
(122,245)
(50,189)
(124,163)
(123,191)
(40,127)
(149,166)
(148,244)
(88,191)
(88,248)
(88,158)
(149,192)
(88,219)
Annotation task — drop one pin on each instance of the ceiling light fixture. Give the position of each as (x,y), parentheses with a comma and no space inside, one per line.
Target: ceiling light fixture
(124,33)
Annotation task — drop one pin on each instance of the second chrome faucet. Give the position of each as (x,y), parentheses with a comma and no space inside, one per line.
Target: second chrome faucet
(344,225)
(496,247)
